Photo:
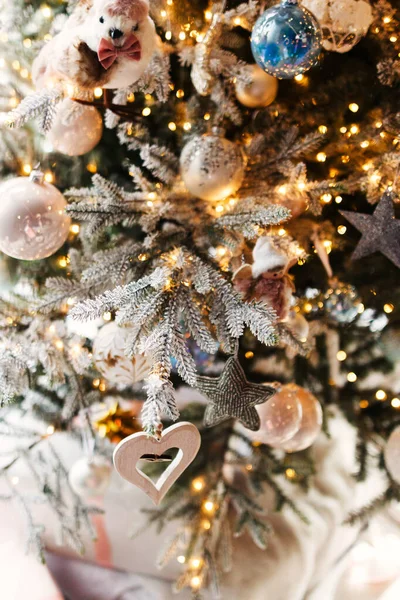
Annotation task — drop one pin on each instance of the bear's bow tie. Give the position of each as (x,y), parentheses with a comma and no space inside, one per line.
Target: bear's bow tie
(108,53)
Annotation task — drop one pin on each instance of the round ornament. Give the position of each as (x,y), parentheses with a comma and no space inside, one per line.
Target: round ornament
(390,342)
(259,91)
(286,40)
(280,417)
(342,303)
(311,421)
(76,129)
(212,167)
(110,358)
(343,22)
(33,223)
(392,454)
(90,477)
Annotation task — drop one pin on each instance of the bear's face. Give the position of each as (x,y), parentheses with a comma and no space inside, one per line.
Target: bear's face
(116,20)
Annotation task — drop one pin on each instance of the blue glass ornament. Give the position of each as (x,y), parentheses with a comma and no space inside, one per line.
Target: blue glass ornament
(286,40)
(342,303)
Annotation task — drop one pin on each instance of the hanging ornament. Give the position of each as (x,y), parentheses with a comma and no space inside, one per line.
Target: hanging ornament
(311,420)
(286,40)
(267,279)
(33,223)
(231,396)
(280,417)
(342,303)
(212,167)
(116,424)
(110,358)
(343,22)
(390,342)
(392,454)
(255,88)
(90,476)
(183,436)
(380,231)
(298,325)
(76,128)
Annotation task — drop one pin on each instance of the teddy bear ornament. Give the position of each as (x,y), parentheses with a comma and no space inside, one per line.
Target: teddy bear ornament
(104,43)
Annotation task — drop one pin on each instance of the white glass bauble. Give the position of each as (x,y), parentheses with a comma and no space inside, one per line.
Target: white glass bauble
(76,128)
(260,91)
(212,167)
(33,223)
(343,22)
(280,417)
(110,358)
(311,421)
(392,454)
(90,476)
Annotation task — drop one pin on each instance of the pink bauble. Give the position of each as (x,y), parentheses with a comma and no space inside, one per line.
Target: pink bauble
(76,129)
(311,421)
(33,223)
(280,417)
(392,454)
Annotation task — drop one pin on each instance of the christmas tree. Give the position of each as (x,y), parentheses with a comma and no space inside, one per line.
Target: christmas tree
(198,195)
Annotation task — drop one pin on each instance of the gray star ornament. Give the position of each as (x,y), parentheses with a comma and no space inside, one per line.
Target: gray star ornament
(232,396)
(380,231)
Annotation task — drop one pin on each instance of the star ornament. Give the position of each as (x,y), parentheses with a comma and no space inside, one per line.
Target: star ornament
(232,396)
(380,231)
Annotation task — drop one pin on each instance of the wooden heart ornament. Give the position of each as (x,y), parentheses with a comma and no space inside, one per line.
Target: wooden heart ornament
(184,436)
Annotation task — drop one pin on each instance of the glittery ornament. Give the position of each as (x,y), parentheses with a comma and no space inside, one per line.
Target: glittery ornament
(232,396)
(342,303)
(311,420)
(90,476)
(256,89)
(286,40)
(343,22)
(280,417)
(380,231)
(110,358)
(390,342)
(33,223)
(212,167)
(392,454)
(76,129)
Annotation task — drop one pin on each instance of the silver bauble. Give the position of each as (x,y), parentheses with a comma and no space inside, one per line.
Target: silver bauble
(90,476)
(33,223)
(261,90)
(212,167)
(76,128)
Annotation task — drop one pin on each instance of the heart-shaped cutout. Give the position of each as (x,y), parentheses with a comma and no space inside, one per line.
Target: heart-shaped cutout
(184,436)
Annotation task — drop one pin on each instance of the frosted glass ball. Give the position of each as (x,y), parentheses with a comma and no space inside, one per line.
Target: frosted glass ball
(110,358)
(343,22)
(76,129)
(90,477)
(212,167)
(260,92)
(392,454)
(311,421)
(33,223)
(280,417)
(286,40)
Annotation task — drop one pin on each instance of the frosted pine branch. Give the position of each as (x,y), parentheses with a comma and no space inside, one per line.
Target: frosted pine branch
(40,104)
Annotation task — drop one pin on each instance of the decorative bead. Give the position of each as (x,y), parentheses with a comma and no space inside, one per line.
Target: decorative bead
(212,167)
(76,129)
(90,476)
(261,89)
(286,40)
(33,223)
